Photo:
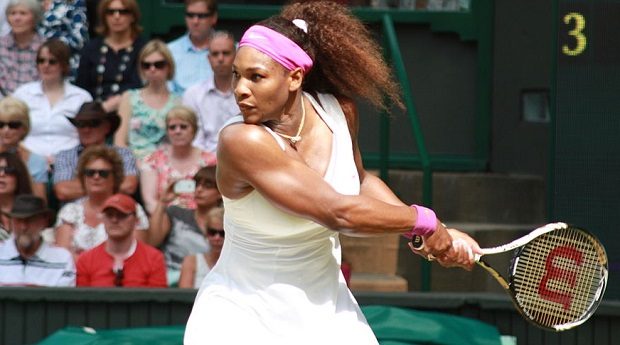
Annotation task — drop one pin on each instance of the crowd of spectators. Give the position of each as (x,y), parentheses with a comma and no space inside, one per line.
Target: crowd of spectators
(107,145)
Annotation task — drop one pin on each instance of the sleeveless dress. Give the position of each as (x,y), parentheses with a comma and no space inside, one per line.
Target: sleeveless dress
(278,278)
(147,126)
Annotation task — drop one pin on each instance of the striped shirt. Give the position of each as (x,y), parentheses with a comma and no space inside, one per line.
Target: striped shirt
(49,266)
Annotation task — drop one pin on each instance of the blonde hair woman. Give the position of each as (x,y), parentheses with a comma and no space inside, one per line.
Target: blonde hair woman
(14,126)
(143,111)
(171,163)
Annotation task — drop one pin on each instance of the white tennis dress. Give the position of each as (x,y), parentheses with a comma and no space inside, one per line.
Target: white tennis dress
(278,278)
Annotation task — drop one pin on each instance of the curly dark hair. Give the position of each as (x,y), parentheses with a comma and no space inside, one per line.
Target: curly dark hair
(107,154)
(347,60)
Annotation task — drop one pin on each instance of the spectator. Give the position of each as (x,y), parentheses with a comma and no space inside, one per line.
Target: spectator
(51,100)
(213,99)
(195,267)
(144,110)
(94,125)
(190,50)
(121,260)
(25,259)
(108,63)
(18,48)
(14,181)
(177,161)
(14,126)
(5,28)
(178,231)
(67,21)
(79,226)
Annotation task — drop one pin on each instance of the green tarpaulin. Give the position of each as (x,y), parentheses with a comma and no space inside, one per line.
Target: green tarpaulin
(392,326)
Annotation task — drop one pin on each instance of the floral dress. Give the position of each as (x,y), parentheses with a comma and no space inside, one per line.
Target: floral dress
(159,161)
(147,126)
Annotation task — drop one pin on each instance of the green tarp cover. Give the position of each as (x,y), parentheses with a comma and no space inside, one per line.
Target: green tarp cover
(392,326)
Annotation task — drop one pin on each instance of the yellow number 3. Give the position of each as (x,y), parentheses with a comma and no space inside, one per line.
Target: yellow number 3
(577,32)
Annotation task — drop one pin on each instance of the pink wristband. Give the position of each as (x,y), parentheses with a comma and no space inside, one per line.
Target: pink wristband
(425,224)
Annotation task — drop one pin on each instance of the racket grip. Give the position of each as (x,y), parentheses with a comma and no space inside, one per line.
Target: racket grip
(417,242)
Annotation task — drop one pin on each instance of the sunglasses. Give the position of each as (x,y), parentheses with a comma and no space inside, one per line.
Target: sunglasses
(120,11)
(51,62)
(206,184)
(161,64)
(181,126)
(94,123)
(11,124)
(103,173)
(192,15)
(213,232)
(118,277)
(8,170)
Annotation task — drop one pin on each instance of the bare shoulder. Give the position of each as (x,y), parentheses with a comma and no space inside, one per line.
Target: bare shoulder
(244,139)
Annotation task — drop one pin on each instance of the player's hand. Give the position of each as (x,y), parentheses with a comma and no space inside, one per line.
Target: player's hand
(435,245)
(461,253)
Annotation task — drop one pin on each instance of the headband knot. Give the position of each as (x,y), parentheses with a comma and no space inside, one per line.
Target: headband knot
(278,47)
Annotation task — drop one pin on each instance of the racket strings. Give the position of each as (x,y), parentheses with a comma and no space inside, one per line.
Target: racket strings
(570,287)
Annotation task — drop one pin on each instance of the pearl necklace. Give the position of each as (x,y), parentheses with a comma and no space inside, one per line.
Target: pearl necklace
(297,137)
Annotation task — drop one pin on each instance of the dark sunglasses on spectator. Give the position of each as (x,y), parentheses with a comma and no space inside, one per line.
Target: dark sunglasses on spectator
(51,62)
(213,232)
(120,11)
(11,124)
(8,170)
(118,277)
(157,64)
(181,126)
(104,173)
(93,123)
(198,15)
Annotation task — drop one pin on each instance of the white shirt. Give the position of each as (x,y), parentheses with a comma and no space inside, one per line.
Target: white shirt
(50,131)
(213,108)
(49,266)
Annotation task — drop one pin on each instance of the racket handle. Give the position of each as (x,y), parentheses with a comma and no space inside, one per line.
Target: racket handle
(417,242)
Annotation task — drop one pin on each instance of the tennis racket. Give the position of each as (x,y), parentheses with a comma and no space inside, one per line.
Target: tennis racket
(557,276)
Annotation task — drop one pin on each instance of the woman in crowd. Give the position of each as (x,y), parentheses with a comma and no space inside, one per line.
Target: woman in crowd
(14,180)
(52,99)
(195,267)
(67,21)
(179,160)
(14,126)
(144,110)
(79,226)
(108,63)
(178,231)
(18,47)
(291,177)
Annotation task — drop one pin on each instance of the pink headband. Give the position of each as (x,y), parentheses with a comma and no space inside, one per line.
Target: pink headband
(277,46)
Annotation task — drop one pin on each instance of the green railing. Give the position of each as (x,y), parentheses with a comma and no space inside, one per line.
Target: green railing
(474,25)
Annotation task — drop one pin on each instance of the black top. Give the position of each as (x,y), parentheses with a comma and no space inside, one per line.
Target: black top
(104,72)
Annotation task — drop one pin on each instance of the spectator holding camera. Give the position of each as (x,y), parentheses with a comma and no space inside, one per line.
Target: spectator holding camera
(179,231)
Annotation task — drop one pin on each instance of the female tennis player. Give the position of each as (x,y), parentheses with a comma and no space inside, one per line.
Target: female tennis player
(291,176)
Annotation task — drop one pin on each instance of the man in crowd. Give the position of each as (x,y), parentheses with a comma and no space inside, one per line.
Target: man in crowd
(121,260)
(190,50)
(213,99)
(94,126)
(25,259)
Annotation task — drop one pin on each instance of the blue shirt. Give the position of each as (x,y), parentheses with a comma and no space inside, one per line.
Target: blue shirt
(191,64)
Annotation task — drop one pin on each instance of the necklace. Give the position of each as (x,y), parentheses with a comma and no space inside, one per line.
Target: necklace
(297,137)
